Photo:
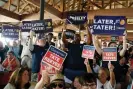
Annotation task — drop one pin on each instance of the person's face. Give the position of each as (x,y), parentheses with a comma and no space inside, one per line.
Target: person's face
(41,42)
(10,55)
(113,45)
(85,38)
(122,61)
(104,44)
(89,86)
(57,85)
(76,83)
(102,75)
(50,37)
(14,43)
(25,77)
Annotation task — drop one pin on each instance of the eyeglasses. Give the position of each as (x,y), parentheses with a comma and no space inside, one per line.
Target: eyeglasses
(54,85)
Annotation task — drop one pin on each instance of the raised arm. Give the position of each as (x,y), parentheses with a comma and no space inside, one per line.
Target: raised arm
(122,52)
(96,45)
(89,36)
(63,35)
(45,80)
(112,75)
(30,42)
(86,62)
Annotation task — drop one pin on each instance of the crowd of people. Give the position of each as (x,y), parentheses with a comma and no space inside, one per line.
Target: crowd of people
(24,56)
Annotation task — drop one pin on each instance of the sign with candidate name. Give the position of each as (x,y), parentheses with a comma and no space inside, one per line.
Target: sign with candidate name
(88,51)
(77,18)
(26,26)
(109,25)
(54,57)
(109,54)
(44,66)
(10,31)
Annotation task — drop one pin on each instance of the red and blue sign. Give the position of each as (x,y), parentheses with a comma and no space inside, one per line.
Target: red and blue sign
(109,25)
(109,54)
(77,18)
(88,52)
(10,31)
(54,57)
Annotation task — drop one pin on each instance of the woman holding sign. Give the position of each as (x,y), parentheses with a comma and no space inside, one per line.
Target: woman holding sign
(55,82)
(103,74)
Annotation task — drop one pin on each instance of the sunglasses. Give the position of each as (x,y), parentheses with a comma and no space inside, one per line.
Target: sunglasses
(54,85)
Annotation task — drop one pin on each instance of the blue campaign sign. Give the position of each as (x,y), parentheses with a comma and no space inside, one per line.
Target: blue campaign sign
(109,25)
(26,26)
(77,18)
(88,52)
(88,47)
(48,25)
(10,31)
(38,26)
(109,54)
(58,52)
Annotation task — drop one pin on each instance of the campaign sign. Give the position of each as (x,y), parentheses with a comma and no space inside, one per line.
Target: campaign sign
(88,51)
(109,54)
(48,25)
(26,26)
(10,31)
(69,33)
(109,25)
(44,66)
(38,26)
(54,57)
(77,18)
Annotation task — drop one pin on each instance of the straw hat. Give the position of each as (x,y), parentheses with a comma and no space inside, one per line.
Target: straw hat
(57,77)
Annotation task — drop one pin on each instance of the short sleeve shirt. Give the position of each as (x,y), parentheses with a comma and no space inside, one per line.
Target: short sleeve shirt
(107,85)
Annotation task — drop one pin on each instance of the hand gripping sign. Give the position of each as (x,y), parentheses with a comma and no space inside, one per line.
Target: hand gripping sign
(88,51)
(44,66)
(109,54)
(54,57)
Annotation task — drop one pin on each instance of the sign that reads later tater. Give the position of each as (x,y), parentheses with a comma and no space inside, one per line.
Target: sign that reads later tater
(54,57)
(109,54)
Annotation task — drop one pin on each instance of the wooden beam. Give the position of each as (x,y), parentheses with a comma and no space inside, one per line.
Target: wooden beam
(93,3)
(111,12)
(129,27)
(48,8)
(9,14)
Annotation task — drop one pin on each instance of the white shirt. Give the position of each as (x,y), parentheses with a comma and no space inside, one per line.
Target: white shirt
(96,68)
(26,51)
(107,85)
